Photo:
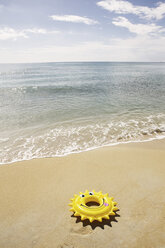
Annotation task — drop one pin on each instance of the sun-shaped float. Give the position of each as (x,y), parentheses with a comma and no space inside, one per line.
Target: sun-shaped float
(93,206)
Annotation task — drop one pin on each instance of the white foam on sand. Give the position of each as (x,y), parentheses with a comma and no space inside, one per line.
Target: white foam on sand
(64,140)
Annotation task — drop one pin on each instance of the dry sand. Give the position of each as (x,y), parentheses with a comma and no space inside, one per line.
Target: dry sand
(34,197)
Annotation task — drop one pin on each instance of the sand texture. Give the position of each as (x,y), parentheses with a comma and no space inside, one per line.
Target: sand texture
(34,197)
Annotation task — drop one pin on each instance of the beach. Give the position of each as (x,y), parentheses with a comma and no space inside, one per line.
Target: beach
(34,198)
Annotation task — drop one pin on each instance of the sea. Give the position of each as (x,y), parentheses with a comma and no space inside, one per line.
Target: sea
(55,109)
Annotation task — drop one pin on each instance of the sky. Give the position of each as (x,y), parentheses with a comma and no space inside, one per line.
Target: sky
(82,30)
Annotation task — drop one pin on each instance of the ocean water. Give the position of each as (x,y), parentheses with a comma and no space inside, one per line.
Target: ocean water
(54,109)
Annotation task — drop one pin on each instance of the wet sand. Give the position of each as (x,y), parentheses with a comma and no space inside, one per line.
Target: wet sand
(34,199)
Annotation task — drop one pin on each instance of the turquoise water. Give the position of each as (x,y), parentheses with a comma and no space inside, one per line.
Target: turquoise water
(53,109)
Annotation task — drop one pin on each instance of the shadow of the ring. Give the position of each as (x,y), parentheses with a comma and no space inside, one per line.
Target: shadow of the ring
(96,223)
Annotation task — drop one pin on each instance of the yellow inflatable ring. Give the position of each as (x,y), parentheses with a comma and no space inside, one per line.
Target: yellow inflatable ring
(103,208)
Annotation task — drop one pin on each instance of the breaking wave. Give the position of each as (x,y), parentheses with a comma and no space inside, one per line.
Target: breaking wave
(67,139)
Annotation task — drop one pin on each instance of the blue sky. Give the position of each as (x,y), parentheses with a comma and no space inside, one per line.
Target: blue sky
(81,30)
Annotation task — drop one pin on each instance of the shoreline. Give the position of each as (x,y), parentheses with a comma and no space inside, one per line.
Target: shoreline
(90,149)
(35,193)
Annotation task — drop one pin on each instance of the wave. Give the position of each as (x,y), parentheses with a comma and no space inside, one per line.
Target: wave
(70,138)
(63,89)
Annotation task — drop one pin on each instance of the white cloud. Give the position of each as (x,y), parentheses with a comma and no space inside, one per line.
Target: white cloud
(140,29)
(35,31)
(8,33)
(125,7)
(74,18)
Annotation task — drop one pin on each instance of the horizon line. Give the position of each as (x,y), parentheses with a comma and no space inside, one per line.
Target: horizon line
(91,61)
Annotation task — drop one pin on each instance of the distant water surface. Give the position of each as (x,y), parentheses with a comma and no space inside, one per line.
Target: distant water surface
(53,109)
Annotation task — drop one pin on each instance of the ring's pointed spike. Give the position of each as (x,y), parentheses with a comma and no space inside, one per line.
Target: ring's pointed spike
(106,195)
(80,193)
(83,217)
(76,214)
(115,209)
(86,191)
(106,217)
(99,219)
(100,192)
(70,204)
(75,195)
(111,198)
(94,191)
(114,203)
(71,199)
(71,209)
(91,219)
(112,213)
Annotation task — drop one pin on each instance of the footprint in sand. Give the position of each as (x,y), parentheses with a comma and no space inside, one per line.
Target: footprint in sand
(66,246)
(81,231)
